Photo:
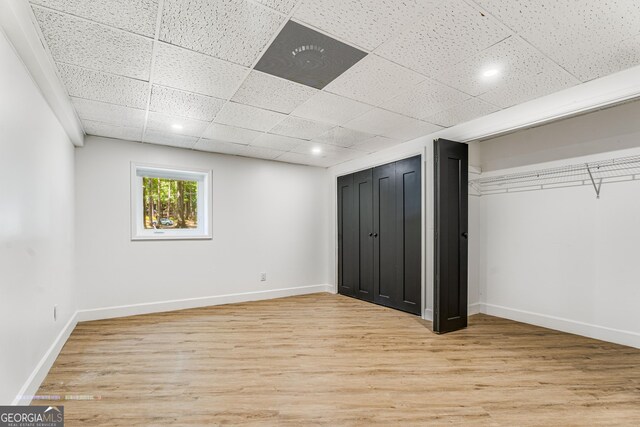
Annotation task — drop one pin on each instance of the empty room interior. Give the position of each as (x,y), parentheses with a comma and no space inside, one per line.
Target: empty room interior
(320,212)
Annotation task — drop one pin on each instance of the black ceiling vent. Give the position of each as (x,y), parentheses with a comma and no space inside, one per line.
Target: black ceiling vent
(305,56)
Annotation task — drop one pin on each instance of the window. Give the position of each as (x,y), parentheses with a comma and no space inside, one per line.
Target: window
(170,203)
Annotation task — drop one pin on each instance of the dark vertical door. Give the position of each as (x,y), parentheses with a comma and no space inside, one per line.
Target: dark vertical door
(363,186)
(384,235)
(451,181)
(408,234)
(347,262)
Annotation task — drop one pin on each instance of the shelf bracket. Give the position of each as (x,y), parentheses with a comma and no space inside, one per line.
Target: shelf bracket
(593,181)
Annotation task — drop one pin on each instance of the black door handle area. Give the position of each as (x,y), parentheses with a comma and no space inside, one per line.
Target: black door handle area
(370,234)
(375,234)
(465,234)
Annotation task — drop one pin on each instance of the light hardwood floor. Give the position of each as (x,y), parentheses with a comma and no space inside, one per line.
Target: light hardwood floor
(331,360)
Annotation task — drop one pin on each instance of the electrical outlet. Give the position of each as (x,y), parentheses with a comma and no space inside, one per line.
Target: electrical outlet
(263,277)
(55,313)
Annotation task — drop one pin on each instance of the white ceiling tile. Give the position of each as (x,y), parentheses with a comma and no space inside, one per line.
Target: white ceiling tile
(569,31)
(277,142)
(184,104)
(109,113)
(301,128)
(412,130)
(597,63)
(195,72)
(230,134)
(534,86)
(165,123)
(272,93)
(76,41)
(326,150)
(364,23)
(283,6)
(233,30)
(248,117)
(138,16)
(445,35)
(374,80)
(215,146)
(261,152)
(111,131)
(513,58)
(170,139)
(303,159)
(387,123)
(98,86)
(237,149)
(468,110)
(330,108)
(343,137)
(311,160)
(376,143)
(426,99)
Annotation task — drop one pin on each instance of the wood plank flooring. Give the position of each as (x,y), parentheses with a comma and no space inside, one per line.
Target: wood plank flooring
(331,360)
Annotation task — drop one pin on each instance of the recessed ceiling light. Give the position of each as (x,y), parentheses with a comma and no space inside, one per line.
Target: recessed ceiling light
(316,150)
(490,72)
(176,126)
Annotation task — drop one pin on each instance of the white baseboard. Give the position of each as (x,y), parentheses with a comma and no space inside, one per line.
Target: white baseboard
(181,304)
(603,333)
(31,386)
(474,308)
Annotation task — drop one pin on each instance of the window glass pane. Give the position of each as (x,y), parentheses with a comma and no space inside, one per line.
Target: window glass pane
(170,203)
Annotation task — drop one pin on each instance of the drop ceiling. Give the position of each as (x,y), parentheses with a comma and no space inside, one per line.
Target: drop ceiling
(183,72)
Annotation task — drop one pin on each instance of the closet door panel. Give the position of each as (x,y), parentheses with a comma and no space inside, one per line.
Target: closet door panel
(409,236)
(347,261)
(363,185)
(451,228)
(384,234)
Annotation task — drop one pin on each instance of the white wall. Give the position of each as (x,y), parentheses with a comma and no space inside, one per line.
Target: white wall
(267,217)
(36,230)
(560,257)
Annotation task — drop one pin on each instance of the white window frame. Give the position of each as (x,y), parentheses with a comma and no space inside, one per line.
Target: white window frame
(202,176)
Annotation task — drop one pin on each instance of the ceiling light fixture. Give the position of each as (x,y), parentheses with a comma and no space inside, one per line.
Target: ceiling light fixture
(316,150)
(491,72)
(176,126)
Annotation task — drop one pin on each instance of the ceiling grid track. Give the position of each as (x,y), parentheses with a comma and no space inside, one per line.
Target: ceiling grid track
(153,61)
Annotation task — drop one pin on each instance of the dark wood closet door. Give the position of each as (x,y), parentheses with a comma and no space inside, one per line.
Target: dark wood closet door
(347,261)
(408,234)
(363,185)
(379,235)
(385,287)
(451,193)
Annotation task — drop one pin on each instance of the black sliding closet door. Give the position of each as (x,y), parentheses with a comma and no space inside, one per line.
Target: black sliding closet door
(450,264)
(385,212)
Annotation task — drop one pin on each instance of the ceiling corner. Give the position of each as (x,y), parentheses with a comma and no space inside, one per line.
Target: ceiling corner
(16,22)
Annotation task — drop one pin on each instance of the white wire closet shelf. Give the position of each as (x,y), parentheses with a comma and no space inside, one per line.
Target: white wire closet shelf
(591,173)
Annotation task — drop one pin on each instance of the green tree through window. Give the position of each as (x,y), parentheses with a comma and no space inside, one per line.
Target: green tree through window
(170,203)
